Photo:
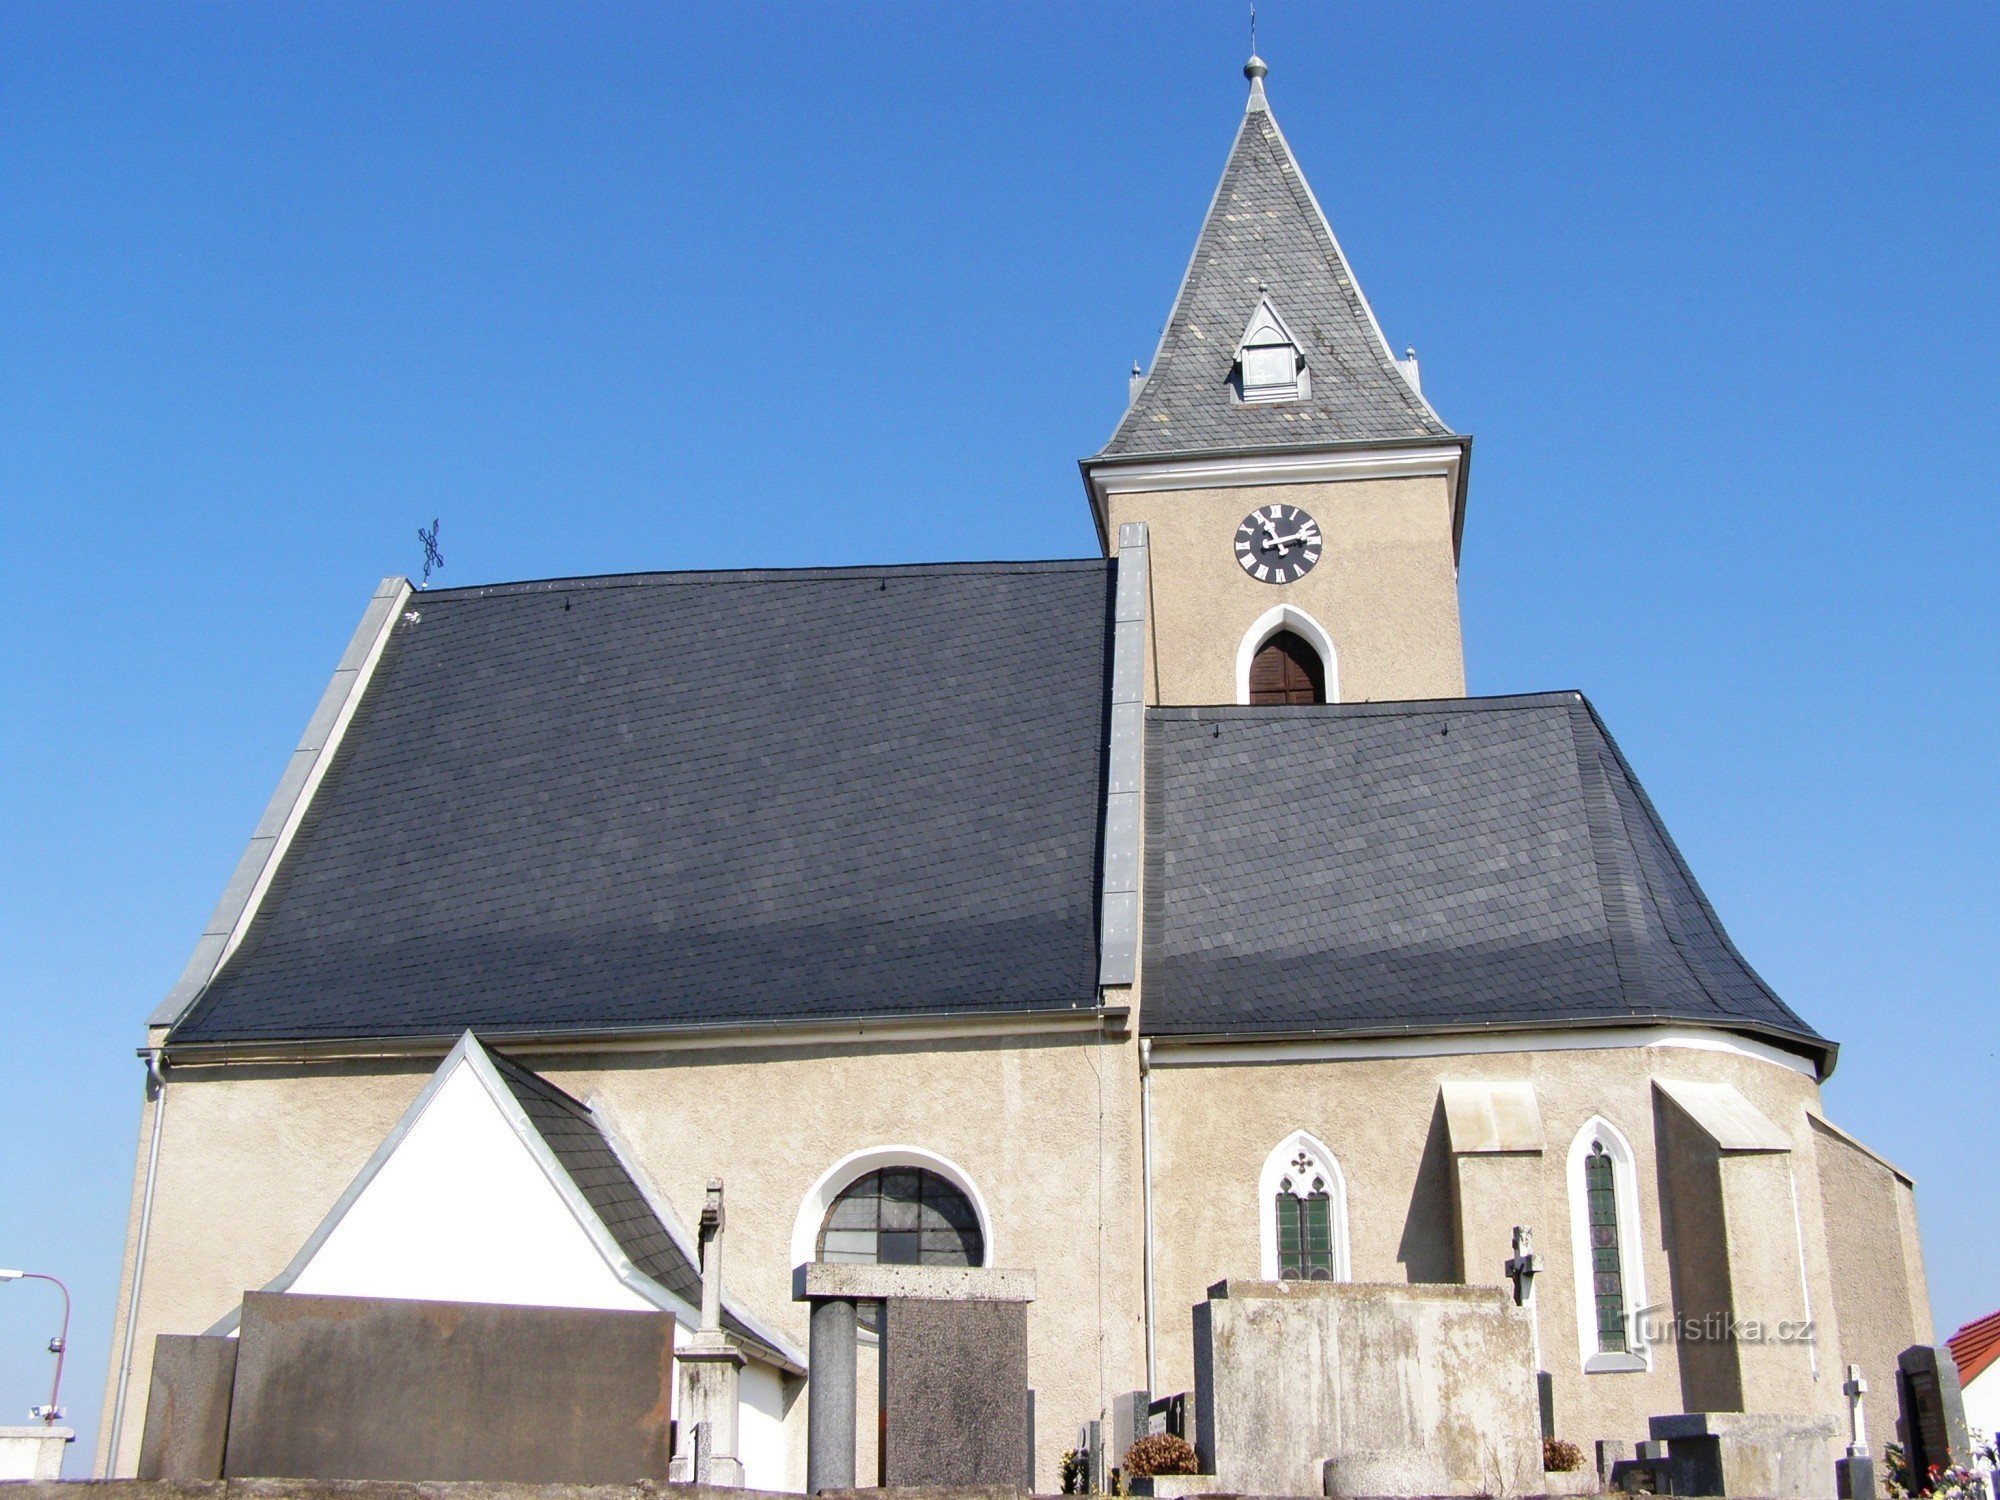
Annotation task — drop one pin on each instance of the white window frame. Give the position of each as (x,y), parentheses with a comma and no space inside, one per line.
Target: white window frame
(1305,627)
(1266,330)
(1631,1258)
(1277,1166)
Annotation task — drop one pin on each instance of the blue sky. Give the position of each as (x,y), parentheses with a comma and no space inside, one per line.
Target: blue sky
(629,287)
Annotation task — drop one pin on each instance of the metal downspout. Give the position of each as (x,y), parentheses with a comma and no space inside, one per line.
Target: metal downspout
(1146,1188)
(156,1087)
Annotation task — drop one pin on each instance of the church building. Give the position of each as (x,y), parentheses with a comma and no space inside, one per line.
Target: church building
(1138,921)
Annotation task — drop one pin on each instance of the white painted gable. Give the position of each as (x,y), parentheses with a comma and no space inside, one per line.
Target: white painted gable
(463,1211)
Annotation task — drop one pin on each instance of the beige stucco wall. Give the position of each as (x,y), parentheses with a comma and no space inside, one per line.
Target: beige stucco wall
(1878,1281)
(1385,589)
(1046,1127)
(1213,1126)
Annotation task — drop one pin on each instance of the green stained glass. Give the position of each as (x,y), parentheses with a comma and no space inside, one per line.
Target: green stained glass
(1606,1271)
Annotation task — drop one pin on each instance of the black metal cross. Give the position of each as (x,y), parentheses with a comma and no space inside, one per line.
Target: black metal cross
(432,557)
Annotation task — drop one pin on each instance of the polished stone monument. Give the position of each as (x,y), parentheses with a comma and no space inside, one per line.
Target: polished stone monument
(1931,1411)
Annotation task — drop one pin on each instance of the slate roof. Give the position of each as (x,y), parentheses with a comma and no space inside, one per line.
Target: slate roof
(578,1143)
(699,798)
(1394,867)
(1265,231)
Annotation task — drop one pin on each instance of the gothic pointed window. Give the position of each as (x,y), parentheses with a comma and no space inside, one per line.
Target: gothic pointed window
(1604,1220)
(1286,669)
(1270,366)
(1607,1278)
(1305,1213)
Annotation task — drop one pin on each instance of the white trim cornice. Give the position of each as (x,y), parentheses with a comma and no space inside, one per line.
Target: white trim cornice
(1189,1052)
(288,804)
(1316,466)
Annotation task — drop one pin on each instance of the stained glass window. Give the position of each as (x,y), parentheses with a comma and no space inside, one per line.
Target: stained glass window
(1606,1267)
(1305,1224)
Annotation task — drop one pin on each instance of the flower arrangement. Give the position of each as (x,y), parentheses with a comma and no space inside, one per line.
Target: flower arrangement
(1160,1453)
(1560,1457)
(1075,1472)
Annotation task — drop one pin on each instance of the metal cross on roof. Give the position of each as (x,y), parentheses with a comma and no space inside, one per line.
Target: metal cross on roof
(432,557)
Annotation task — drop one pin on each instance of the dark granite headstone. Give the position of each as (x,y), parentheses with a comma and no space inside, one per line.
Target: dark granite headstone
(954,1393)
(366,1388)
(187,1407)
(1931,1411)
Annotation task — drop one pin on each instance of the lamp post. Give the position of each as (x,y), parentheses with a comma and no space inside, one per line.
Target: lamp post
(51,1413)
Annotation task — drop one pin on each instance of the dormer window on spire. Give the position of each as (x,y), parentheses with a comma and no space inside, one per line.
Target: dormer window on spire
(1270,366)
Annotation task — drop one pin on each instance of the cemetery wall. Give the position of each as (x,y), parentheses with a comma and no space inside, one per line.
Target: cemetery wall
(1046,1127)
(1213,1126)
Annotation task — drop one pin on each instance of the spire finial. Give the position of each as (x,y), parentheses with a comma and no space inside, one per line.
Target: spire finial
(1254,70)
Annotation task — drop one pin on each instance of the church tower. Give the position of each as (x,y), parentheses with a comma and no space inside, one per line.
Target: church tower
(1302,501)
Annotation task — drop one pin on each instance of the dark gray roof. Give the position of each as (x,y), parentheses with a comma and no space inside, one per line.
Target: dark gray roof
(1265,232)
(681,799)
(1392,867)
(576,1140)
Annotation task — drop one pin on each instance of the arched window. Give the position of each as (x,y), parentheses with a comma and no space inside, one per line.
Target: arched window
(904,1216)
(1303,1213)
(1287,670)
(1604,1227)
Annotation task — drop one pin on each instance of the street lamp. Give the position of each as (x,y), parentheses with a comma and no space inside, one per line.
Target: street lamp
(51,1413)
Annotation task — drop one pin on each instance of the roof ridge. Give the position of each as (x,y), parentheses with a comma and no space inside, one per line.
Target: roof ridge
(702,576)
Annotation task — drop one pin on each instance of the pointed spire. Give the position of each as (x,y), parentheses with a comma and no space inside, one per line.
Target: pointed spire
(1265,238)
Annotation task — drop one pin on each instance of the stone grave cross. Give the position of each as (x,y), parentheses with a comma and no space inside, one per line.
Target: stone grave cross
(1524,1267)
(1522,1270)
(1854,1475)
(710,1367)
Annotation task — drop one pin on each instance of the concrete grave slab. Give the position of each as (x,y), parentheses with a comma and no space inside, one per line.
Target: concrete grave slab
(1739,1453)
(361,1388)
(187,1407)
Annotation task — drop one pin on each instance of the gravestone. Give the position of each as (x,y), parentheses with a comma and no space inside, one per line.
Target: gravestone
(954,1380)
(1337,1388)
(187,1407)
(1128,1423)
(1931,1419)
(1744,1453)
(375,1388)
(955,1406)
(710,1369)
(1854,1475)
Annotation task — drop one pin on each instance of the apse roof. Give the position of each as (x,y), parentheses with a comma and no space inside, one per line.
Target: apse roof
(1384,868)
(671,800)
(1265,236)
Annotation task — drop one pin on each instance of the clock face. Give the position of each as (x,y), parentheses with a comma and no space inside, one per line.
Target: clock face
(1278,543)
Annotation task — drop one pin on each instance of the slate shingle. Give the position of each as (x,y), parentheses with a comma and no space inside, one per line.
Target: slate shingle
(1397,867)
(578,1143)
(1264,232)
(699,798)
